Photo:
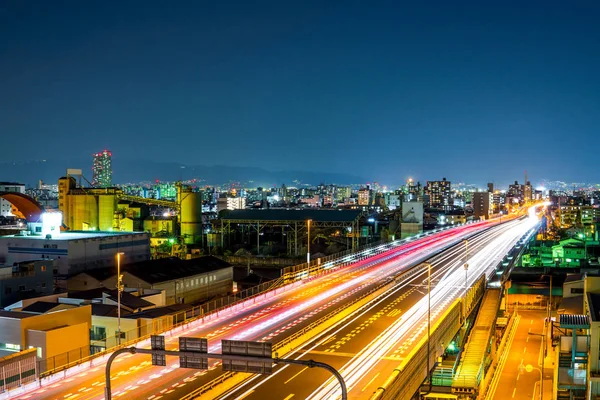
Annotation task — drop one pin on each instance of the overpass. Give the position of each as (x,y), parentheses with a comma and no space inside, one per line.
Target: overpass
(313,301)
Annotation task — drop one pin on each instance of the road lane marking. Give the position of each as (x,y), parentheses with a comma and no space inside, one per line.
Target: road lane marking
(525,350)
(289,397)
(248,393)
(303,369)
(514,391)
(371,381)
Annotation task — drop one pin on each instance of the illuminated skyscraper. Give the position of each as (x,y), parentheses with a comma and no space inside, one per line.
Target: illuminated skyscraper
(102,169)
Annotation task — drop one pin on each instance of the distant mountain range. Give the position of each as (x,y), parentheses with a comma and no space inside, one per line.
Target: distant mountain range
(29,172)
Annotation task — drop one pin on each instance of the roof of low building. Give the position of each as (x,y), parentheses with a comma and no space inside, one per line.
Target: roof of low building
(107,310)
(168,269)
(41,307)
(127,299)
(574,321)
(161,311)
(572,305)
(130,301)
(101,274)
(575,277)
(299,215)
(16,314)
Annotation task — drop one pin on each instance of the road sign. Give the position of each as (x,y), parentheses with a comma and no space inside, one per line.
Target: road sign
(195,345)
(157,342)
(252,349)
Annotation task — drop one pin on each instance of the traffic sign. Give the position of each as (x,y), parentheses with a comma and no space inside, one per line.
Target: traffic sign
(252,349)
(195,345)
(157,342)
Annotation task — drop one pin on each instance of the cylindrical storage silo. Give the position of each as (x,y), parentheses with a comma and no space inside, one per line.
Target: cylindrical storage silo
(191,216)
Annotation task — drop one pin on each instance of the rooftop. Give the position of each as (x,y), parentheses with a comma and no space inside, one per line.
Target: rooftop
(574,321)
(75,235)
(160,311)
(575,277)
(106,310)
(127,299)
(301,215)
(41,307)
(16,314)
(168,269)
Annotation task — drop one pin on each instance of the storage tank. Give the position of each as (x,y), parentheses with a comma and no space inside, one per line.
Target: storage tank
(190,215)
(107,204)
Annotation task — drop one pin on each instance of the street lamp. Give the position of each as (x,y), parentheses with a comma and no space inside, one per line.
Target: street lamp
(530,368)
(466,266)
(428,317)
(119,291)
(549,311)
(308,252)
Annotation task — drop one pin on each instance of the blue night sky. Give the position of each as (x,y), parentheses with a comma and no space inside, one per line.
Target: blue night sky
(469,90)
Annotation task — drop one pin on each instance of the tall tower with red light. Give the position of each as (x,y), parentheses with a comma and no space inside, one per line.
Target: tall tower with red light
(102,169)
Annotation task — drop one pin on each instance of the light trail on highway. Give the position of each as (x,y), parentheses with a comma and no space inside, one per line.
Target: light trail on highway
(414,323)
(487,250)
(271,319)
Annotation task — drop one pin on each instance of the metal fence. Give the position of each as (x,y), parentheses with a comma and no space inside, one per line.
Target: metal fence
(289,276)
(17,369)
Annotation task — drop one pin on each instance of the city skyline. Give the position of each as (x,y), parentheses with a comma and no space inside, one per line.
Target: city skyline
(353,88)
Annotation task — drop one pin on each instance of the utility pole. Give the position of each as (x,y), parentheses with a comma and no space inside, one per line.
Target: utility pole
(466,278)
(428,319)
(308,252)
(119,291)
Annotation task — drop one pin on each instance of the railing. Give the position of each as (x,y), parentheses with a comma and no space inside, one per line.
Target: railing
(289,276)
(260,261)
(53,364)
(279,345)
(405,380)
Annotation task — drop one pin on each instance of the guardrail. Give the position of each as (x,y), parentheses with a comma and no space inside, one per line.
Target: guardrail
(290,276)
(312,327)
(406,379)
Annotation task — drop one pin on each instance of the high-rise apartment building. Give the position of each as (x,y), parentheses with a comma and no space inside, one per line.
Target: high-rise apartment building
(483,204)
(102,169)
(364,197)
(439,193)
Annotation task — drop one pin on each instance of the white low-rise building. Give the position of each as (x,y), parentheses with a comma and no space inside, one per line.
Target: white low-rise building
(74,252)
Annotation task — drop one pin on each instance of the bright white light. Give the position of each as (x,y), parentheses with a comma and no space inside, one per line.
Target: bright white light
(166,214)
(52,218)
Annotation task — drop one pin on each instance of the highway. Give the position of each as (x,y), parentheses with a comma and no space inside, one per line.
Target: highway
(271,319)
(372,343)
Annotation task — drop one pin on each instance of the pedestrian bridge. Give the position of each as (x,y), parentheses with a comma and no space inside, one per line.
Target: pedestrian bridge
(470,371)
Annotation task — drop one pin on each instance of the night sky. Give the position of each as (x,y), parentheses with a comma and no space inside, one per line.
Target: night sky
(385,90)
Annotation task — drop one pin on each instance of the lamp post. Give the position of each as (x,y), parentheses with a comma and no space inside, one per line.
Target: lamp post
(119,291)
(428,317)
(530,368)
(466,266)
(549,311)
(308,252)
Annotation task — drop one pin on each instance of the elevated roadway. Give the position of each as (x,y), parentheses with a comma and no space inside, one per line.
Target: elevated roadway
(274,318)
(375,340)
